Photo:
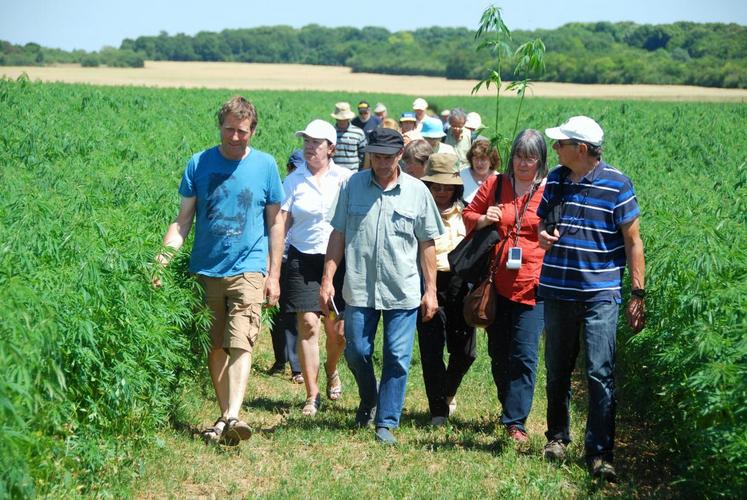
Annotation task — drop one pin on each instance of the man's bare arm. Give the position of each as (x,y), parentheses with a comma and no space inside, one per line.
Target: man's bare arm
(176,233)
(275,222)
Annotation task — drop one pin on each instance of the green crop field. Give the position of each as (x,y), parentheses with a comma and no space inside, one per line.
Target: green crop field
(102,377)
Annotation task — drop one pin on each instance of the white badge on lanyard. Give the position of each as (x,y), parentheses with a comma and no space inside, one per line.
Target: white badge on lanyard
(514,258)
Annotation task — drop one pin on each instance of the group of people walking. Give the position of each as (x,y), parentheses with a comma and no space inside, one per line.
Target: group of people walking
(366,239)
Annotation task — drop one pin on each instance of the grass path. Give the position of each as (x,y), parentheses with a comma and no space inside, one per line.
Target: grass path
(292,456)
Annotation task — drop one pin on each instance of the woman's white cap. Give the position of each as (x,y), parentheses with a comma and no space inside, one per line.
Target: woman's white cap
(319,129)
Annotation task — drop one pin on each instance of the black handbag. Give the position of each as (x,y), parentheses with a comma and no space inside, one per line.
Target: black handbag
(469,259)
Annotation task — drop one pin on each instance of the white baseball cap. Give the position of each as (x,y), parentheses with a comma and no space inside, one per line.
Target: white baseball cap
(380,108)
(319,129)
(578,128)
(420,103)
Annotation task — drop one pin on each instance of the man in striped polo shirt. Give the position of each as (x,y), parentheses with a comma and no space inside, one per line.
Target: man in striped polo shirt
(351,140)
(589,229)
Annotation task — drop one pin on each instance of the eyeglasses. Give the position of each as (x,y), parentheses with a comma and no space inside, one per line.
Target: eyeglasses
(437,188)
(566,143)
(528,160)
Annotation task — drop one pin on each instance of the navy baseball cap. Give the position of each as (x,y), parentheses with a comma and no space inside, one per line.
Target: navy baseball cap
(296,158)
(385,141)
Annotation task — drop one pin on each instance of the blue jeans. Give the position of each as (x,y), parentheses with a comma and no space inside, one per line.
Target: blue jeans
(513,345)
(597,323)
(399,335)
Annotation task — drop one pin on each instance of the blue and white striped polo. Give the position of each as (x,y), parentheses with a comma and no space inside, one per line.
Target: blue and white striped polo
(588,261)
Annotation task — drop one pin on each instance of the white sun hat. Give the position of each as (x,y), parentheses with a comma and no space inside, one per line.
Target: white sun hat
(420,103)
(474,121)
(578,128)
(343,111)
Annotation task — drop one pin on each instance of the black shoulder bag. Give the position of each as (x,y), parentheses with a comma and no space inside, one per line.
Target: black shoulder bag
(469,260)
(555,211)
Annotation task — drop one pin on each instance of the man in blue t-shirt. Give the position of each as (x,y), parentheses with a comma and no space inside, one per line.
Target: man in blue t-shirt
(233,193)
(590,230)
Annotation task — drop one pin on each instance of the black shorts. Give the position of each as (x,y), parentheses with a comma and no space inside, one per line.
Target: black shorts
(303,276)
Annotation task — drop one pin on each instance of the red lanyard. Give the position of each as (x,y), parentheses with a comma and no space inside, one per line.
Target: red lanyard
(519,217)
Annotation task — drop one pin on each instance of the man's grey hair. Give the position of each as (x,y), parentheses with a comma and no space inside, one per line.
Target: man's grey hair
(457,114)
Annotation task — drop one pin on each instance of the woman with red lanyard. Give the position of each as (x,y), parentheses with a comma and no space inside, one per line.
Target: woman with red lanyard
(513,338)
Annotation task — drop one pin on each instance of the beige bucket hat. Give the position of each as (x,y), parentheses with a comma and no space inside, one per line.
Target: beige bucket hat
(343,111)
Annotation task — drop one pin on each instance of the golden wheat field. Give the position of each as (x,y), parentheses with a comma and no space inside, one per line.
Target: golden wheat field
(336,78)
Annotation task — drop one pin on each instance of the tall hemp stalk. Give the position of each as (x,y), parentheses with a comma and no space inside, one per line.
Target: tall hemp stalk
(494,35)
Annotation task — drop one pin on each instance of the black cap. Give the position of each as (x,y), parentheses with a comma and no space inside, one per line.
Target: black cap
(363,105)
(385,141)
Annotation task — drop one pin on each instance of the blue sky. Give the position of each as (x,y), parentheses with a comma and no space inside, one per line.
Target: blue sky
(92,24)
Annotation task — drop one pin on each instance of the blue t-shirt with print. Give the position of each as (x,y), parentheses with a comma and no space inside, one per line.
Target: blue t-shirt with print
(230,233)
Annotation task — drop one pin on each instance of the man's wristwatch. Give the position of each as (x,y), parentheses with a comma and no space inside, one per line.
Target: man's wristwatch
(638,293)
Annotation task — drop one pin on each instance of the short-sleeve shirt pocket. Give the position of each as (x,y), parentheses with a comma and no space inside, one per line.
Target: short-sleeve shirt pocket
(403,222)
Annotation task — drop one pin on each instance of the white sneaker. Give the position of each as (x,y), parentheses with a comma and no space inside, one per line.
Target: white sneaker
(452,404)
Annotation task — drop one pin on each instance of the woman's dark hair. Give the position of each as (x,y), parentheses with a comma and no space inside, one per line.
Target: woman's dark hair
(456,195)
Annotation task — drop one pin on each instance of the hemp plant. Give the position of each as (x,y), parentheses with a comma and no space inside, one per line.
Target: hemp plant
(494,35)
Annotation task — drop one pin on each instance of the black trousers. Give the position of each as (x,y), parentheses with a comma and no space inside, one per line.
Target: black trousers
(284,332)
(284,335)
(447,328)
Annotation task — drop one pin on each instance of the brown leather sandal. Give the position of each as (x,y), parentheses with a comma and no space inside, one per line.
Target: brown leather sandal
(214,435)
(236,430)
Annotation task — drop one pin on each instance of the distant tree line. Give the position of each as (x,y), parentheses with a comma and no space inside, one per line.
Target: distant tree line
(33,54)
(712,54)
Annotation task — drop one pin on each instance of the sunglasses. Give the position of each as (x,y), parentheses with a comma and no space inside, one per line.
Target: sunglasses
(566,143)
(442,187)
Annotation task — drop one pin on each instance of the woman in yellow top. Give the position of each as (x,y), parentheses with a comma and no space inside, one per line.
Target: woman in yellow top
(447,328)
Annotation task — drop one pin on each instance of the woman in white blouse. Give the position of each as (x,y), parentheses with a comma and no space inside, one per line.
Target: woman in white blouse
(309,193)
(484,162)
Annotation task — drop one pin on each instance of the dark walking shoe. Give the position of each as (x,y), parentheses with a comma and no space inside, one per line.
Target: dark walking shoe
(364,416)
(385,436)
(602,469)
(438,421)
(554,451)
(277,369)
